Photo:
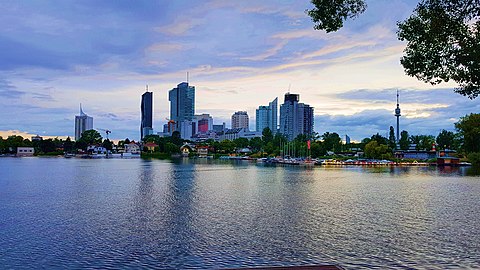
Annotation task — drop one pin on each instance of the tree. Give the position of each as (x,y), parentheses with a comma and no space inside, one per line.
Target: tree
(404,141)
(176,138)
(47,146)
(267,135)
(107,144)
(91,137)
(469,129)
(241,142)
(375,150)
(443,38)
(68,145)
(445,139)
(443,44)
(329,15)
(392,143)
(379,138)
(332,141)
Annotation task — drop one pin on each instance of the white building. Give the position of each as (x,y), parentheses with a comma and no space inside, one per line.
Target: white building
(25,151)
(132,148)
(235,133)
(240,120)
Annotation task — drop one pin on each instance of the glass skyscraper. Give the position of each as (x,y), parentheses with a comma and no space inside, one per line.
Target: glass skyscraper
(146,127)
(295,118)
(266,116)
(83,123)
(182,104)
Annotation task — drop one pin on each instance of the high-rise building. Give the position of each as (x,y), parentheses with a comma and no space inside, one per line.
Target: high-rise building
(146,106)
(295,118)
(203,123)
(266,116)
(261,118)
(240,120)
(182,104)
(83,122)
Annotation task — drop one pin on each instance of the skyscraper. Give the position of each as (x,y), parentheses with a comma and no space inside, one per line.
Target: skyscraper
(146,106)
(266,116)
(83,122)
(182,104)
(240,120)
(295,118)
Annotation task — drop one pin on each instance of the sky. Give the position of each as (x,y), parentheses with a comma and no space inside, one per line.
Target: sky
(55,55)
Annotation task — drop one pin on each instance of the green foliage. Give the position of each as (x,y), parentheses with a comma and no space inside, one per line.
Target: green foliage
(68,145)
(423,142)
(47,146)
(446,139)
(474,158)
(171,148)
(332,142)
(378,151)
(256,144)
(267,135)
(469,130)
(226,146)
(107,144)
(380,139)
(176,138)
(91,137)
(391,138)
(404,140)
(329,15)
(443,44)
(241,143)
(443,38)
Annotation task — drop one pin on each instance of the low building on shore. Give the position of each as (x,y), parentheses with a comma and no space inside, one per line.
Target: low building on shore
(25,151)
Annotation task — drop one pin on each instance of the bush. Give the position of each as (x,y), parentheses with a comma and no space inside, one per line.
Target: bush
(474,158)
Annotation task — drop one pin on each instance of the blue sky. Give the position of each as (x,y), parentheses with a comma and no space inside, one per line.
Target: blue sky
(239,54)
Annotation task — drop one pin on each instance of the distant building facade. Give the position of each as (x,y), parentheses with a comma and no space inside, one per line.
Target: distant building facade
(182,105)
(25,151)
(240,120)
(235,133)
(295,118)
(83,123)
(266,116)
(146,107)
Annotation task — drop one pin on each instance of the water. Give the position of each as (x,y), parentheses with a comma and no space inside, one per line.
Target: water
(110,214)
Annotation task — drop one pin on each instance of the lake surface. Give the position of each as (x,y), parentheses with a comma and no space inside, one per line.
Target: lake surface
(110,214)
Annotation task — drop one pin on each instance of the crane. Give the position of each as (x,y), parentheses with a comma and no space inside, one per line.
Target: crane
(106,131)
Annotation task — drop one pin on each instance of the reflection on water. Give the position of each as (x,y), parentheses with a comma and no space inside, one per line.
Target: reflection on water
(111,214)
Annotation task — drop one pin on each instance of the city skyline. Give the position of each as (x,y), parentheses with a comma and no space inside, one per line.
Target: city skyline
(239,55)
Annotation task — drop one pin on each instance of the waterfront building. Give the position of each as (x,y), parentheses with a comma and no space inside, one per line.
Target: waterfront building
(25,151)
(235,133)
(146,107)
(182,104)
(132,148)
(266,116)
(83,122)
(240,120)
(295,118)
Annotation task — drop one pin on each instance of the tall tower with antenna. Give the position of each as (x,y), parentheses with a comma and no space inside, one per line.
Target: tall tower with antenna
(397,114)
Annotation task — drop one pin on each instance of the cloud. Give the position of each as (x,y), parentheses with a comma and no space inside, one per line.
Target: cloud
(180,26)
(7,90)
(270,52)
